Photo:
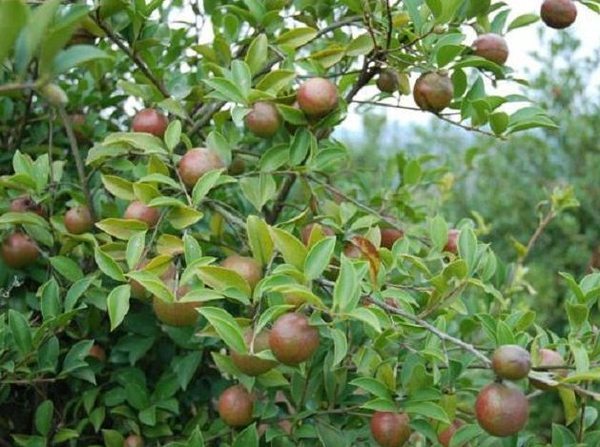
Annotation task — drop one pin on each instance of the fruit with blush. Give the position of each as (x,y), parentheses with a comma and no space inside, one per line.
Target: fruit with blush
(317,96)
(248,268)
(390,429)
(492,47)
(501,410)
(251,364)
(150,121)
(263,120)
(139,211)
(433,91)
(292,339)
(235,406)
(78,220)
(19,250)
(197,162)
(558,14)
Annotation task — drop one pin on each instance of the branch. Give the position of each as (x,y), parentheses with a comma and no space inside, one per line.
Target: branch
(538,232)
(388,11)
(286,187)
(396,106)
(470,128)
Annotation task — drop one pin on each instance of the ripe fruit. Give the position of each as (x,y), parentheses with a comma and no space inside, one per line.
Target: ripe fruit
(558,14)
(433,91)
(292,339)
(352,251)
(390,429)
(501,410)
(197,162)
(236,406)
(317,96)
(308,229)
(452,244)
(25,204)
(248,268)
(388,81)
(263,120)
(492,47)
(250,364)
(511,362)
(78,220)
(81,36)
(98,352)
(150,121)
(133,441)
(178,313)
(548,358)
(445,436)
(389,236)
(139,211)
(18,251)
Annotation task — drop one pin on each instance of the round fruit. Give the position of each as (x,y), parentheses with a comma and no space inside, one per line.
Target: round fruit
(445,435)
(133,441)
(79,220)
(139,291)
(352,251)
(150,121)
(390,429)
(308,229)
(511,362)
(197,162)
(501,410)
(18,251)
(139,211)
(292,339)
(317,96)
(81,36)
(54,94)
(248,268)
(388,81)
(452,243)
(25,204)
(177,313)
(263,120)
(389,236)
(250,364)
(236,406)
(492,47)
(433,91)
(98,352)
(558,14)
(237,166)
(548,358)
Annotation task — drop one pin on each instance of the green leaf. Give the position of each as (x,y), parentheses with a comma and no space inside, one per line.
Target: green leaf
(276,80)
(292,115)
(173,135)
(346,289)
(153,284)
(108,265)
(135,249)
(257,53)
(428,410)
(412,172)
(319,257)
(204,185)
(66,267)
(222,279)
(258,190)
(247,437)
(578,315)
(340,346)
(467,247)
(438,232)
(569,401)
(50,299)
(373,386)
(499,122)
(360,45)
(148,144)
(27,218)
(19,328)
(299,146)
(465,434)
(118,187)
(226,90)
(77,55)
(366,315)
(118,305)
(523,20)
(183,217)
(242,77)
(186,367)
(123,229)
(13,16)
(225,325)
(43,417)
(297,37)
(112,438)
(293,251)
(259,239)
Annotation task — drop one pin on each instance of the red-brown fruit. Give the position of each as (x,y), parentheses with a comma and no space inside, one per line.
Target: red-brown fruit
(78,123)
(390,429)
(292,339)
(139,211)
(177,313)
(511,362)
(548,358)
(138,291)
(81,36)
(79,220)
(250,364)
(308,229)
(558,14)
(492,47)
(452,243)
(389,236)
(133,441)
(352,251)
(236,405)
(388,81)
(19,250)
(97,352)
(263,120)
(25,204)
(150,121)
(237,166)
(433,91)
(317,96)
(248,268)
(197,162)
(445,436)
(500,410)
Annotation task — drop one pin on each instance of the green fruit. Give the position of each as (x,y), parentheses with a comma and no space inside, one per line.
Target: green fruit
(293,340)
(500,410)
(388,81)
(236,405)
(390,429)
(511,362)
(55,95)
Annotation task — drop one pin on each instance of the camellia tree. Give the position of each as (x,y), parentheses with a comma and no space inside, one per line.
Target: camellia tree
(201,273)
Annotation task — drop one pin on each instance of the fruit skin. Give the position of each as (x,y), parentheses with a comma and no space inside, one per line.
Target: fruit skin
(492,47)
(177,313)
(248,268)
(388,81)
(55,95)
(548,357)
(19,250)
(558,14)
(133,441)
(25,204)
(511,362)
(445,436)
(292,340)
(433,91)
(317,96)
(197,162)
(452,244)
(389,236)
(390,429)
(263,120)
(250,364)
(500,410)
(307,230)
(139,211)
(79,220)
(97,352)
(150,121)
(236,405)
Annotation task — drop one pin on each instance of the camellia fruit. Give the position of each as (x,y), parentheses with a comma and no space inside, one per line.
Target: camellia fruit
(390,429)
(263,120)
(511,362)
(433,91)
(292,340)
(98,353)
(150,121)
(249,364)
(78,220)
(317,96)
(236,405)
(548,358)
(197,162)
(452,243)
(389,236)
(133,441)
(445,436)
(178,313)
(492,47)
(308,229)
(248,268)
(19,250)
(388,81)
(25,204)
(501,410)
(139,211)
(558,14)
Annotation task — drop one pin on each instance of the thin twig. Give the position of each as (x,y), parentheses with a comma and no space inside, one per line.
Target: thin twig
(538,232)
(388,40)
(469,128)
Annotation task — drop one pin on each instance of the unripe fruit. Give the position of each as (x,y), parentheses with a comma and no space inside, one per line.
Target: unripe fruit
(55,95)
(150,121)
(19,250)
(492,47)
(178,313)
(133,441)
(197,162)
(97,352)
(248,268)
(452,243)
(263,120)
(317,96)
(139,211)
(388,81)
(548,358)
(500,410)
(389,236)
(511,362)
(445,435)
(558,14)
(78,220)
(25,204)
(237,166)
(433,91)
(250,364)
(308,229)
(236,405)
(292,340)
(390,429)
